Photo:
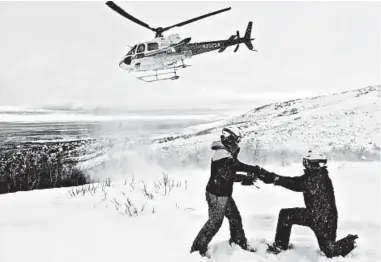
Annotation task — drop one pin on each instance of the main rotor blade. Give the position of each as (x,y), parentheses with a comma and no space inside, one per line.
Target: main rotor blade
(123,13)
(195,19)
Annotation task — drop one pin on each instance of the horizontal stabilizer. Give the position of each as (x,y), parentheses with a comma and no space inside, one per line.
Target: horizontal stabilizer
(249,45)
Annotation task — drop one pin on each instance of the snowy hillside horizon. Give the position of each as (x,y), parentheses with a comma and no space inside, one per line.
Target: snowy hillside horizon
(345,125)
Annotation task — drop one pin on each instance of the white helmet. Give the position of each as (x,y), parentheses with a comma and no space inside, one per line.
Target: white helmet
(314,160)
(232,134)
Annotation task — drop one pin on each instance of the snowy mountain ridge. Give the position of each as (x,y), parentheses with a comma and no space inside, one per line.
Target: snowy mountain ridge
(346,121)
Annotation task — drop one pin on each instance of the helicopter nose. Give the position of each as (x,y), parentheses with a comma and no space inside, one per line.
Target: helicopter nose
(123,65)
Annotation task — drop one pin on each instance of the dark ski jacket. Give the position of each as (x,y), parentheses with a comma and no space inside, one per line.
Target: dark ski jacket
(223,171)
(317,188)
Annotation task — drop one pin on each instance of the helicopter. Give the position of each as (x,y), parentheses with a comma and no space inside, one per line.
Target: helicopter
(166,54)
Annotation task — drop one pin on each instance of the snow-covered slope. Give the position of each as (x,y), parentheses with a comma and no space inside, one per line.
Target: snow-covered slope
(338,123)
(120,221)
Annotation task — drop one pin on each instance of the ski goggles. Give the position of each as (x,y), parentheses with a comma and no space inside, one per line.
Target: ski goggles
(227,134)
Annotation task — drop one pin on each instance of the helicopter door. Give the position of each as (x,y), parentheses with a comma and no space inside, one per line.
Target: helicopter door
(141,48)
(140,51)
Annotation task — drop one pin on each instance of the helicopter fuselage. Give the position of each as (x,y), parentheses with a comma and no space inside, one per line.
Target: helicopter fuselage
(165,52)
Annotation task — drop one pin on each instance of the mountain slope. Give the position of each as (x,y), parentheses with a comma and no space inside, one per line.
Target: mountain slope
(343,122)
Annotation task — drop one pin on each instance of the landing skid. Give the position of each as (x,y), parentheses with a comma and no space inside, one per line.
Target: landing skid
(162,76)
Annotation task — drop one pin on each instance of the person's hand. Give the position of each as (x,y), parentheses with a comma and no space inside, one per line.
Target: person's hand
(267,177)
(248,180)
(253,175)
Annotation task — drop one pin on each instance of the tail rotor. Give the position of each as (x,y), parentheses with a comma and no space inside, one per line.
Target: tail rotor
(236,49)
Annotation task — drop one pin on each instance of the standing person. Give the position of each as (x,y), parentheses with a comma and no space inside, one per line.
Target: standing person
(219,189)
(320,213)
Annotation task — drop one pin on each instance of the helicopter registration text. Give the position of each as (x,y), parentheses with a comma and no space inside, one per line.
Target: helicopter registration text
(213,45)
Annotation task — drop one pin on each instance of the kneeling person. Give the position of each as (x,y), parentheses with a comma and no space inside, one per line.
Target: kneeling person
(320,213)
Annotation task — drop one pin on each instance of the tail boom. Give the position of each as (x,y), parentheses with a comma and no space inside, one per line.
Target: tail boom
(221,45)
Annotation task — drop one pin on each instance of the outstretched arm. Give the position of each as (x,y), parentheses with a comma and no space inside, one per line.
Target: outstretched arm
(292,183)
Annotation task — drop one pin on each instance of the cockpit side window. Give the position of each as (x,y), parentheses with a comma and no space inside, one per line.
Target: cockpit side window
(152,46)
(141,48)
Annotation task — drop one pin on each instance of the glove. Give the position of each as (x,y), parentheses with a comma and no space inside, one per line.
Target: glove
(267,177)
(260,171)
(254,176)
(248,180)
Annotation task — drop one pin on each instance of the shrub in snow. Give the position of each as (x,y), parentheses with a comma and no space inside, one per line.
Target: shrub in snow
(39,168)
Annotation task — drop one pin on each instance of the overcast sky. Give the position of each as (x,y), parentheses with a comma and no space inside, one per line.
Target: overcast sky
(68,52)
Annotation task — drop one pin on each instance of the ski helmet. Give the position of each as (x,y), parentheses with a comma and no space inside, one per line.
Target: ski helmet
(314,160)
(231,135)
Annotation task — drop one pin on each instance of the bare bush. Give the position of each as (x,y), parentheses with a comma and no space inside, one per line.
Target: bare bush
(167,183)
(91,189)
(116,204)
(143,207)
(130,208)
(125,206)
(145,191)
(132,183)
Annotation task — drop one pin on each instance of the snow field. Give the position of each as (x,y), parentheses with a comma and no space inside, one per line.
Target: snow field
(97,222)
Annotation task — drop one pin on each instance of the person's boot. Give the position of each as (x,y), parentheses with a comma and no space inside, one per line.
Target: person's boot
(243,244)
(352,238)
(205,254)
(275,249)
(202,251)
(348,244)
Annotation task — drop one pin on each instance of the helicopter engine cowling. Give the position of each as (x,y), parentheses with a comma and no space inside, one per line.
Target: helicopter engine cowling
(174,38)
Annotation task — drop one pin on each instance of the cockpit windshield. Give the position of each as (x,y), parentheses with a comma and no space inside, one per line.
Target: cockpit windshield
(132,51)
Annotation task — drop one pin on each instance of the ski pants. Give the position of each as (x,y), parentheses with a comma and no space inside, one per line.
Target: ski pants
(324,228)
(220,207)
